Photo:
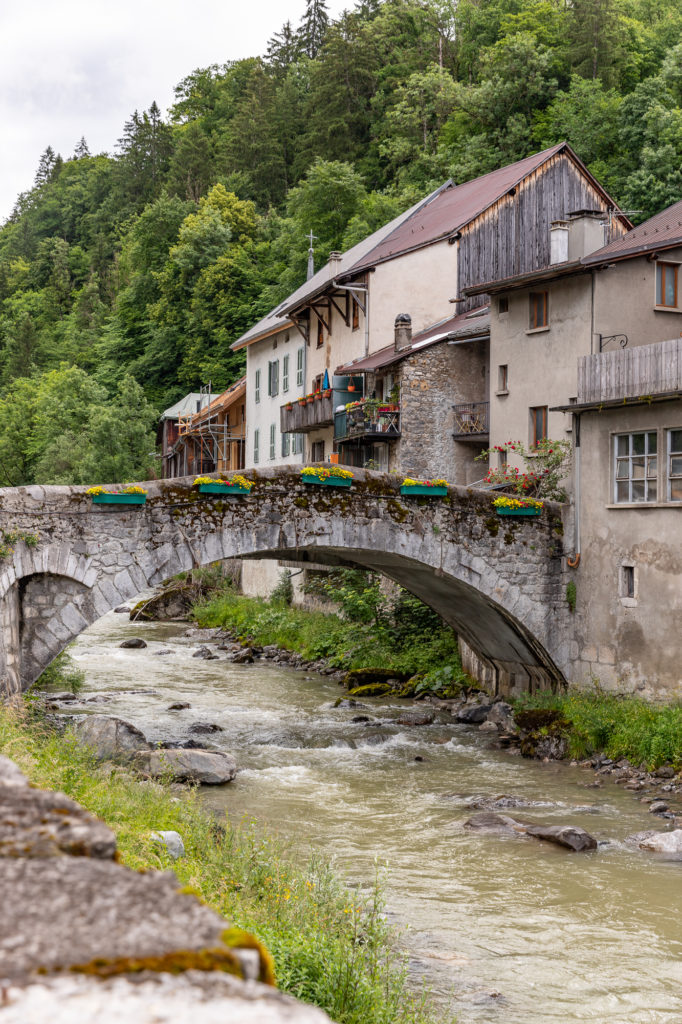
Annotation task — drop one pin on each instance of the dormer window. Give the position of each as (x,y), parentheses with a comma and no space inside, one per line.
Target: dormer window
(666,285)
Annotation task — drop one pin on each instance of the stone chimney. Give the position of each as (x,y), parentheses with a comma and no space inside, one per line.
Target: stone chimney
(403,331)
(586,232)
(558,242)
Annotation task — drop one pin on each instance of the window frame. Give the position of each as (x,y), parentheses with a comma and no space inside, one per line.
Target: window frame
(285,374)
(256,446)
(670,455)
(648,479)
(299,367)
(286,445)
(660,302)
(273,378)
(256,387)
(533,323)
(533,409)
(502,378)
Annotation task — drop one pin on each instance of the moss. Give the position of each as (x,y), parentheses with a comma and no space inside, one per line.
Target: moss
(360,676)
(301,502)
(237,938)
(558,527)
(571,595)
(396,511)
(509,537)
(177,962)
(492,525)
(372,690)
(539,718)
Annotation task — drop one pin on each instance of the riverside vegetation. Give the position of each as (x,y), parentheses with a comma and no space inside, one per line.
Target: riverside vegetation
(331,944)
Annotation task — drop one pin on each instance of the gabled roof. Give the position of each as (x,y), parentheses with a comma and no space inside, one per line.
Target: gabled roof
(461,327)
(185,407)
(222,401)
(278,320)
(452,209)
(662,231)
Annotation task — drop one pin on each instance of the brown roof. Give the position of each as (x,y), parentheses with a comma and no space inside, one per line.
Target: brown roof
(456,206)
(504,284)
(222,401)
(664,230)
(461,326)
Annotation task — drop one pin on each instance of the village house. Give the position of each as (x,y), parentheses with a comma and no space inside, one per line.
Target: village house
(204,434)
(591,349)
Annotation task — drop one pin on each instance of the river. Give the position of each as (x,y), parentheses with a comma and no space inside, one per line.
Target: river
(509,930)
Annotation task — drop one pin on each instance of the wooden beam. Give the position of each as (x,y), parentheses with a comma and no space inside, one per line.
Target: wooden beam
(303,331)
(344,316)
(322,320)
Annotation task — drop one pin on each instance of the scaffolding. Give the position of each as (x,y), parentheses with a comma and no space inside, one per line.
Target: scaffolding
(207,442)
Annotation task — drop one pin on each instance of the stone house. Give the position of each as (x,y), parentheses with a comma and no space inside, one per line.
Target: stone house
(605,369)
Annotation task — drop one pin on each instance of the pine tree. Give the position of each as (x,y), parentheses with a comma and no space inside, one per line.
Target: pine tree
(46,166)
(81,149)
(283,48)
(314,25)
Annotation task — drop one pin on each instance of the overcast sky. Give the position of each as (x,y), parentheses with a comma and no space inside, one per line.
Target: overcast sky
(80,67)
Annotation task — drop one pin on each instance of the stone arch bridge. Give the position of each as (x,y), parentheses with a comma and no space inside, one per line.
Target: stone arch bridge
(498,582)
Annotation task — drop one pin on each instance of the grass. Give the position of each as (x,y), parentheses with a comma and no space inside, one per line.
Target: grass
(618,726)
(345,644)
(331,945)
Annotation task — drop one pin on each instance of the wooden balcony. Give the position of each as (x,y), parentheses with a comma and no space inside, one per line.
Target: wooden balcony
(299,419)
(471,421)
(368,421)
(631,373)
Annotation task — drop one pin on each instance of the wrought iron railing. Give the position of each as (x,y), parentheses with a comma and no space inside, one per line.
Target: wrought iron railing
(472,419)
(370,418)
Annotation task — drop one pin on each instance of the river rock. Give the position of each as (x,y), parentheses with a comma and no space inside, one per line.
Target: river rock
(487,727)
(668,843)
(109,737)
(135,641)
(66,696)
(208,767)
(374,739)
(502,715)
(500,824)
(570,836)
(205,727)
(122,609)
(172,842)
(206,654)
(658,807)
(474,714)
(244,657)
(180,706)
(417,718)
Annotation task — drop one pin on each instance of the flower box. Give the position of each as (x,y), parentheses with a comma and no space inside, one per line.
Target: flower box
(219,488)
(111,498)
(424,490)
(328,481)
(531,511)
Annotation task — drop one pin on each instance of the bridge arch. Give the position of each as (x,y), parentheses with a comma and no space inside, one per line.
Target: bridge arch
(499,585)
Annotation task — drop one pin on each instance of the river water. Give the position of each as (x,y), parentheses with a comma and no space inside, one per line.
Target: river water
(502,929)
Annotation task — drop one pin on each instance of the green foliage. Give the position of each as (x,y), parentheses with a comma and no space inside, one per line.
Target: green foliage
(284,591)
(544,468)
(571,595)
(331,945)
(617,726)
(61,674)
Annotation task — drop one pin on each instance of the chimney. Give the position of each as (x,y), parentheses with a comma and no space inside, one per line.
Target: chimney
(558,242)
(586,232)
(403,331)
(334,264)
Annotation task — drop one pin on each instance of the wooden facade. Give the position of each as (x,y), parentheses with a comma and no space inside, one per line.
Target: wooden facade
(631,372)
(513,235)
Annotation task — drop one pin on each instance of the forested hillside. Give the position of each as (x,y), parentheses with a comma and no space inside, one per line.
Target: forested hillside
(124,278)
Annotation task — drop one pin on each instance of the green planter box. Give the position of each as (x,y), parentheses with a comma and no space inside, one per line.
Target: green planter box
(423,490)
(518,511)
(330,481)
(119,499)
(218,488)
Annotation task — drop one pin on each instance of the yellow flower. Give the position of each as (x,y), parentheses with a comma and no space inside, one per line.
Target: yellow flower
(439,482)
(322,473)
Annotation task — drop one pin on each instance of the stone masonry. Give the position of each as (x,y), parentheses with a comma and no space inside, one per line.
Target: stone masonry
(498,582)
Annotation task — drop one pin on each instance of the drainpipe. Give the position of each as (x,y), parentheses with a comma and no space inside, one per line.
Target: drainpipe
(574,562)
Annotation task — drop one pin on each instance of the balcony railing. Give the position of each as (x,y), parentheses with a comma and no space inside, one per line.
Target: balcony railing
(471,421)
(310,415)
(370,420)
(631,372)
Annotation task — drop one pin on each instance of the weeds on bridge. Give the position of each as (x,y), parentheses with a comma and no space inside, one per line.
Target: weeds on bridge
(331,943)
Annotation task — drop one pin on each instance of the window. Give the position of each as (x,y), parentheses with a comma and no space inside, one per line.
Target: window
(636,467)
(538,424)
(256,389)
(299,368)
(538,310)
(627,581)
(666,285)
(317,383)
(297,444)
(504,459)
(675,465)
(318,451)
(355,314)
(256,446)
(320,333)
(285,373)
(286,445)
(273,440)
(273,377)
(503,377)
(503,305)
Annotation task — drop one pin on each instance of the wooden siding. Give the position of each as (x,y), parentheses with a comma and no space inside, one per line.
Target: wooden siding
(513,235)
(302,418)
(631,372)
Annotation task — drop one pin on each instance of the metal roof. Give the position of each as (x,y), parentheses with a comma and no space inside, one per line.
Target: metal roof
(663,230)
(185,407)
(504,284)
(456,207)
(461,326)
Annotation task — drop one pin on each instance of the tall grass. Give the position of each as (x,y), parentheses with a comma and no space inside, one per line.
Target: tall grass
(618,726)
(331,945)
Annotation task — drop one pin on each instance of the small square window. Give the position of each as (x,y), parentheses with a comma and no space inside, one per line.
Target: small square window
(503,305)
(666,285)
(503,377)
(538,313)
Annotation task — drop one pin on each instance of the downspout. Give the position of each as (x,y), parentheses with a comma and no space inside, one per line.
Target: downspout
(574,562)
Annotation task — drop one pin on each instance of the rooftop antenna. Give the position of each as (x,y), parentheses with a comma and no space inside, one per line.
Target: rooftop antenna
(311,256)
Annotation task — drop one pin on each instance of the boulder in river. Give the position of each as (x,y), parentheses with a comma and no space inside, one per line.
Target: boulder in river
(244,657)
(668,843)
(110,737)
(135,641)
(417,718)
(474,714)
(180,705)
(209,767)
(205,727)
(501,714)
(500,824)
(570,836)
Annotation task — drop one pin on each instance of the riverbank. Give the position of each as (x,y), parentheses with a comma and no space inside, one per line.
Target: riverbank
(331,946)
(577,725)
